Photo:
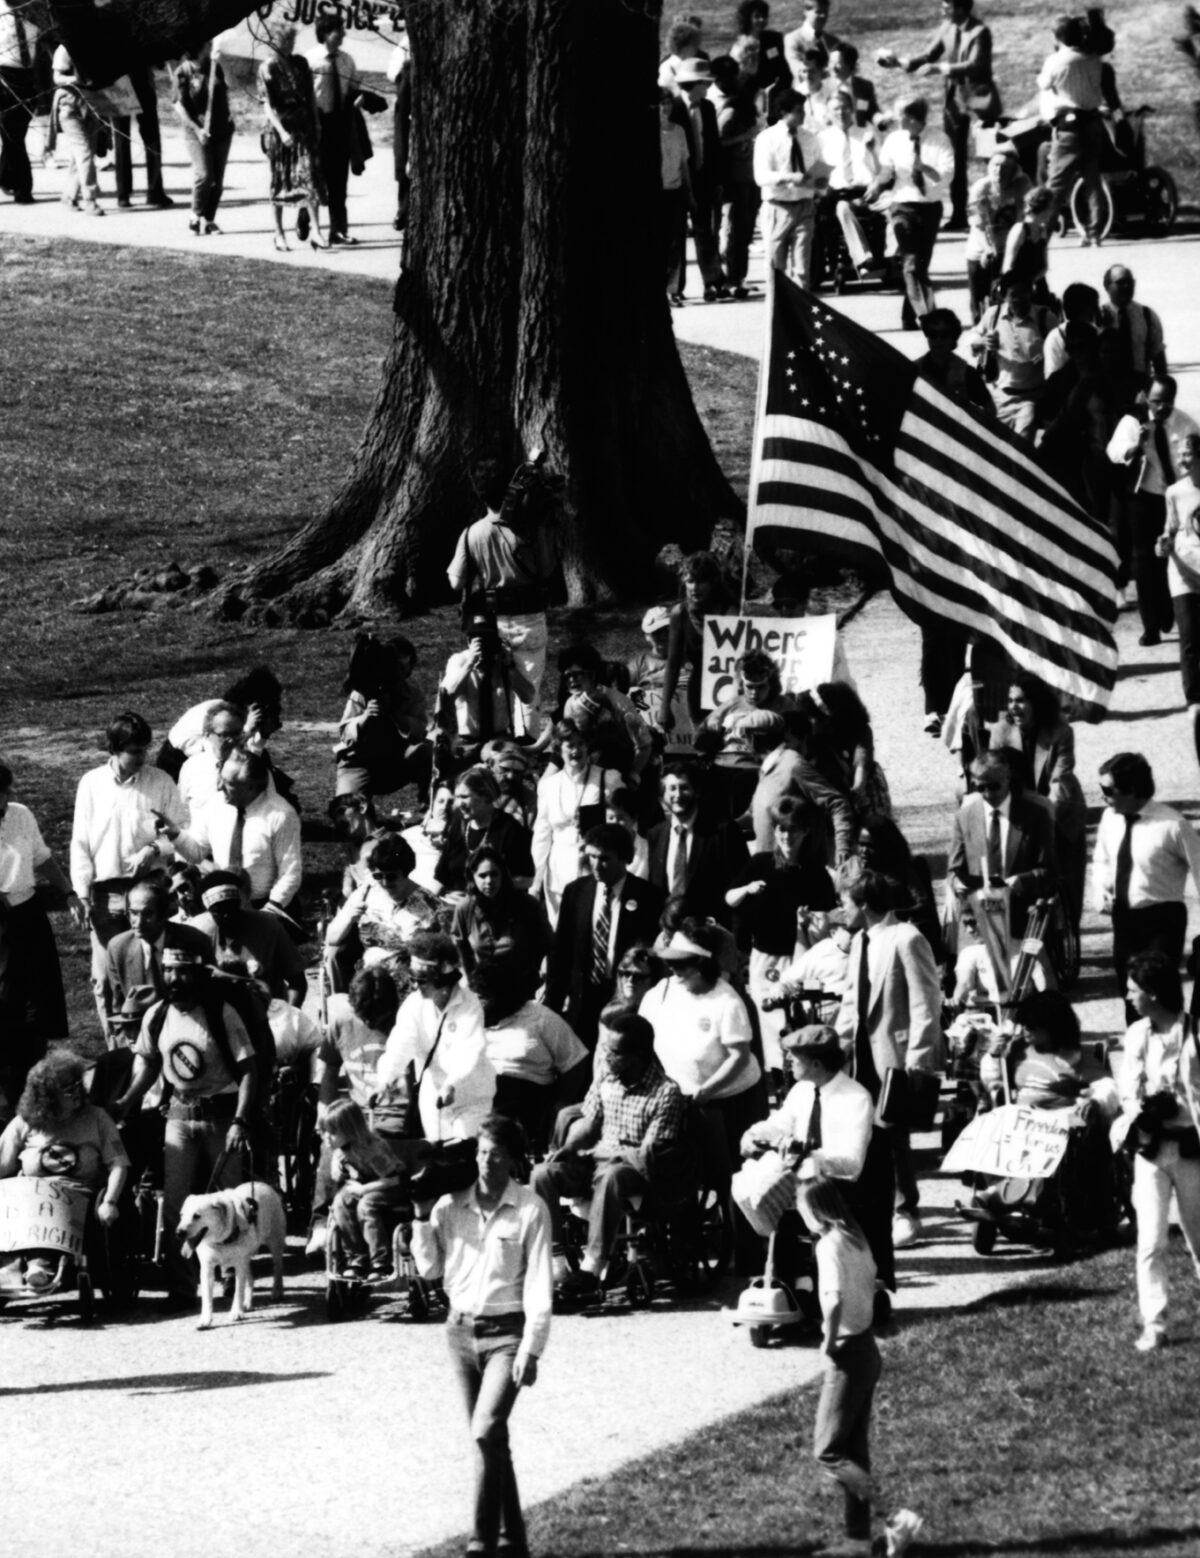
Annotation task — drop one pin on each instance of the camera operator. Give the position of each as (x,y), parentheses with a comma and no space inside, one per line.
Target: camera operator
(482,686)
(505,565)
(382,745)
(1160,1096)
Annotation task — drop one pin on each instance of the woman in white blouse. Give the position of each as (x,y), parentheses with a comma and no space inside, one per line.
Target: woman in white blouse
(570,800)
(32,1005)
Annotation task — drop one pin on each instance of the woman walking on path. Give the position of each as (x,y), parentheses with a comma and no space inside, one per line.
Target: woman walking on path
(291,138)
(202,107)
(490,1245)
(852,1366)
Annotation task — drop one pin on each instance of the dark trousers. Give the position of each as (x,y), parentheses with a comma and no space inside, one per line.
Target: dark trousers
(1147,516)
(959,130)
(980,276)
(741,202)
(17,90)
(674,239)
(482,1354)
(915,224)
(335,165)
(1158,927)
(1075,154)
(943,660)
(872,1199)
(147,121)
(1187,620)
(208,160)
(908,1192)
(704,220)
(841,1434)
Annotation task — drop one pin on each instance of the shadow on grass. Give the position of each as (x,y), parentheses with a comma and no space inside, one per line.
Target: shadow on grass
(167,1384)
(1072,1542)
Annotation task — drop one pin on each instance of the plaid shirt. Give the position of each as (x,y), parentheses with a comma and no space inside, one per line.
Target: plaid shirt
(647,1114)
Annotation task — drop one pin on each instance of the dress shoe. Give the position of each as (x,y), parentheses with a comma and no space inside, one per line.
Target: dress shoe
(194,226)
(1149,640)
(160,202)
(124,202)
(23,200)
(741,293)
(210,228)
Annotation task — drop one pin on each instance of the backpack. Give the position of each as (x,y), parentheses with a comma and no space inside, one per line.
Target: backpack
(244,998)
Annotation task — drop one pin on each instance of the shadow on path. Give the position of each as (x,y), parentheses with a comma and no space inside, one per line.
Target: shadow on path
(167,1384)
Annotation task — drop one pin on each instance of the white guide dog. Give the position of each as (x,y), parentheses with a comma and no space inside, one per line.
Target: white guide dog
(225,1230)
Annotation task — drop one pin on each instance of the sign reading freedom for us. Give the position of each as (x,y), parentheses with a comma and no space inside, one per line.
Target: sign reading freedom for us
(804,649)
(42,1214)
(1011,1143)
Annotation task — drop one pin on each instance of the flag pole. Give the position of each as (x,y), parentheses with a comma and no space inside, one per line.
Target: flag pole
(764,369)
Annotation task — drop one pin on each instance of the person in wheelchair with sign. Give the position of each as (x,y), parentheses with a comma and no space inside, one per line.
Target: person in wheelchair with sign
(1044,1066)
(627,1143)
(58,1135)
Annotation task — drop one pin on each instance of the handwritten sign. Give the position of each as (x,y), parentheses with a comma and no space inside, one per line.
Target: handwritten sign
(804,648)
(1011,1143)
(42,1214)
(373,29)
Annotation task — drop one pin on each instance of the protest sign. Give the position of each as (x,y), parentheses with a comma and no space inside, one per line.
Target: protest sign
(42,1214)
(1011,1143)
(804,648)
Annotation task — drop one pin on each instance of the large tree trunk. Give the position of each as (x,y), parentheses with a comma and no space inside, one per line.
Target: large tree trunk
(530,313)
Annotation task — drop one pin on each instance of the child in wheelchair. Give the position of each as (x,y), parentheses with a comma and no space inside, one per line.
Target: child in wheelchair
(372,1190)
(57,1134)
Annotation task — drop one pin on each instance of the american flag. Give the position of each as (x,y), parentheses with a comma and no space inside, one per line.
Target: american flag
(857,456)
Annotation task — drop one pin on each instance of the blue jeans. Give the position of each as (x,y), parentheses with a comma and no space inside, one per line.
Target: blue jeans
(842,1429)
(482,1352)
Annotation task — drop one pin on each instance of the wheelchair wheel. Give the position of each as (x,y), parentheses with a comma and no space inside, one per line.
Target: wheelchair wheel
(1079,207)
(713,1231)
(984,1238)
(1063,948)
(1160,202)
(87,1298)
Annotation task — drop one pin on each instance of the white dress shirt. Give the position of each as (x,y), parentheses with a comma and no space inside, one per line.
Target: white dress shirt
(851,156)
(1127,447)
(270,844)
(323,64)
(22,850)
(773,170)
(1164,850)
(847,1115)
(492,1263)
(937,158)
(456,1061)
(114,821)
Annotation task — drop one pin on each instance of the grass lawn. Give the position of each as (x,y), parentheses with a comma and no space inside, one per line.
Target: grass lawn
(170,407)
(1148,66)
(1024,1425)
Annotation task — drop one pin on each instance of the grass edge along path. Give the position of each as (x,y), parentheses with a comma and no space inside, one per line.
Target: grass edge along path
(1023,1424)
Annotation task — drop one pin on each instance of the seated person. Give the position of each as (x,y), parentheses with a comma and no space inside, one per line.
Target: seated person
(627,1141)
(511,767)
(239,934)
(531,1048)
(745,721)
(617,735)
(372,1189)
(1048,1061)
(852,154)
(648,668)
(824,1124)
(382,743)
(826,963)
(379,918)
(1004,830)
(57,1134)
(478,689)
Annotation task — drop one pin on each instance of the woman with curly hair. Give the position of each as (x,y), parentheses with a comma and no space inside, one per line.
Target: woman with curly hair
(497,922)
(58,1135)
(381,914)
(291,137)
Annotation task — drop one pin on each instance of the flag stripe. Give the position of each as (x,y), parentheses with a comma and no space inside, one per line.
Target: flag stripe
(977,550)
(865,516)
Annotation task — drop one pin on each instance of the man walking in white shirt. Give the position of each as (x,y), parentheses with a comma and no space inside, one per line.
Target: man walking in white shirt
(915,164)
(790,173)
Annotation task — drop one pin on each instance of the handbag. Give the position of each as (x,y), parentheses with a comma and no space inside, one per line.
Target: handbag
(764,1188)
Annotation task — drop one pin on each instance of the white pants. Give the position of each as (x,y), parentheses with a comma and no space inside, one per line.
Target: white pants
(856,242)
(1152,1186)
(526,637)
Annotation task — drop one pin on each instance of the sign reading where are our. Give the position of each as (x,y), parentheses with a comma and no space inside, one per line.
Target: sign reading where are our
(806,650)
(42,1214)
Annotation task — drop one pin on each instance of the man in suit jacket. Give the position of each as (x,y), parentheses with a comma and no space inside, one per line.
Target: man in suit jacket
(694,854)
(135,958)
(693,79)
(1012,831)
(601,917)
(890,1018)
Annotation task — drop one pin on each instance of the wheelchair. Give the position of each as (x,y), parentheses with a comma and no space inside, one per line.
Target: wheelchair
(831,262)
(296,1143)
(349,1292)
(103,1270)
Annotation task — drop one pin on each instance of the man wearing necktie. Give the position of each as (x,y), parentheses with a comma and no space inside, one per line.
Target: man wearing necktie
(18,89)
(915,164)
(850,153)
(336,83)
(1150,451)
(789,171)
(1145,852)
(1002,838)
(134,959)
(889,1020)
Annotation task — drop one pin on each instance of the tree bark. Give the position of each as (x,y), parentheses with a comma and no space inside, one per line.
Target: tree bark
(530,313)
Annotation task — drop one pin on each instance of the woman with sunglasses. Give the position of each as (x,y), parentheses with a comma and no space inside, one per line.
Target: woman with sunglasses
(382,914)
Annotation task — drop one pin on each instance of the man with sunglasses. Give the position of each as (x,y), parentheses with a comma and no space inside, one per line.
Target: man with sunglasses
(1002,838)
(1145,852)
(440,1031)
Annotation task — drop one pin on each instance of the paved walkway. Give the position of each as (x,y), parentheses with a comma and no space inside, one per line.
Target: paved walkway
(148,1437)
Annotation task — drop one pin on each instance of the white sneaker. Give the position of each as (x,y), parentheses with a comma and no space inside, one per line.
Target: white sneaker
(1151,1339)
(906,1229)
(902,1530)
(317,1240)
